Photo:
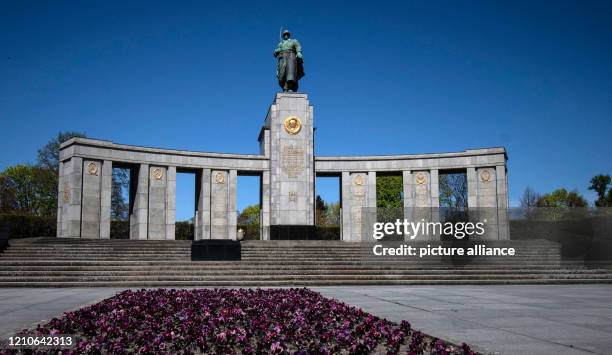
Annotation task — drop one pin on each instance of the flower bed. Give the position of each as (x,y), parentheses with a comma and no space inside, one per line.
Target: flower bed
(246,321)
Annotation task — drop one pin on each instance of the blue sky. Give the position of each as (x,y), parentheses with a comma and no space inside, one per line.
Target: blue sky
(383,77)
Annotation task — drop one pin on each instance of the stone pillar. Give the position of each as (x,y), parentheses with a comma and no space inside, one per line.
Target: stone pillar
(171,203)
(346,204)
(408,188)
(486,199)
(91,200)
(360,205)
(232,213)
(502,203)
(435,189)
(60,199)
(140,195)
(422,199)
(219,204)
(105,199)
(72,178)
(265,206)
(202,220)
(291,160)
(472,189)
(157,202)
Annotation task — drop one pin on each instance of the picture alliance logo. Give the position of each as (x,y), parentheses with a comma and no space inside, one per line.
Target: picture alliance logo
(459,230)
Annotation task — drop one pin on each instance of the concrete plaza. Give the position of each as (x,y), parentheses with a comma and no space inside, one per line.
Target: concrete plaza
(530,319)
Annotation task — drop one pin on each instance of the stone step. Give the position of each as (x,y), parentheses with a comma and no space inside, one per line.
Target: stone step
(297,283)
(249,273)
(285,277)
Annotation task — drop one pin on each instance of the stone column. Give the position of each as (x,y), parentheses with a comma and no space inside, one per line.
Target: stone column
(60,199)
(486,190)
(472,188)
(422,198)
(291,160)
(72,178)
(202,220)
(171,203)
(265,206)
(140,195)
(502,203)
(232,213)
(219,204)
(408,188)
(347,203)
(91,200)
(105,199)
(361,206)
(157,202)
(435,190)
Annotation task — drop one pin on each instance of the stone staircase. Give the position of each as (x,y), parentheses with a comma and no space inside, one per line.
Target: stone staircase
(52,262)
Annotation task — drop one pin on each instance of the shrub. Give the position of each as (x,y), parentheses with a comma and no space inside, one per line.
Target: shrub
(20,226)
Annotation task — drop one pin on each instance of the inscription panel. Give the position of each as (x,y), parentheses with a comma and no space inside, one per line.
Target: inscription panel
(292,160)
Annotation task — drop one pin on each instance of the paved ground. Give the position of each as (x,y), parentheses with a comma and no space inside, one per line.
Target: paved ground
(538,319)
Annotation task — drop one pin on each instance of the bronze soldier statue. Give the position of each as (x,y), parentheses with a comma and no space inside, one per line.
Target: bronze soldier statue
(290,66)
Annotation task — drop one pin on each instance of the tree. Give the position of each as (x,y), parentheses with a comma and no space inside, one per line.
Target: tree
(48,155)
(561,198)
(120,186)
(453,190)
(249,216)
(530,198)
(599,184)
(28,189)
(320,211)
(389,191)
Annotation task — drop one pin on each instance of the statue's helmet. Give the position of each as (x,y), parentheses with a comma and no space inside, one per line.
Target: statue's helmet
(286,33)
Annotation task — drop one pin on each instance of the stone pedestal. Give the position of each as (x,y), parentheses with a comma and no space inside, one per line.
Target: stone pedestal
(288,137)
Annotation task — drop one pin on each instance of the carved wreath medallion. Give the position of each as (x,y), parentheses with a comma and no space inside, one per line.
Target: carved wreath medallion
(219,178)
(359,180)
(92,168)
(158,174)
(420,179)
(485,175)
(293,125)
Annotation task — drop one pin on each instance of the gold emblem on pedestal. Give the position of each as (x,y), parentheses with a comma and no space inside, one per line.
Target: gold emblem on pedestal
(158,174)
(293,125)
(219,178)
(92,168)
(420,178)
(485,175)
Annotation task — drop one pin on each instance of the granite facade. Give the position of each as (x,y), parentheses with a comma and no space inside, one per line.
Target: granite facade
(287,167)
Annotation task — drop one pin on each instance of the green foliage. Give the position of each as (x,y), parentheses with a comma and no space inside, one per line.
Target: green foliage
(28,226)
(453,190)
(326,214)
(599,184)
(48,155)
(562,199)
(120,230)
(28,189)
(248,221)
(184,231)
(389,191)
(119,206)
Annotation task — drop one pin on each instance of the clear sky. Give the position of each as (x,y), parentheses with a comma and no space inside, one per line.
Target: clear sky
(383,77)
